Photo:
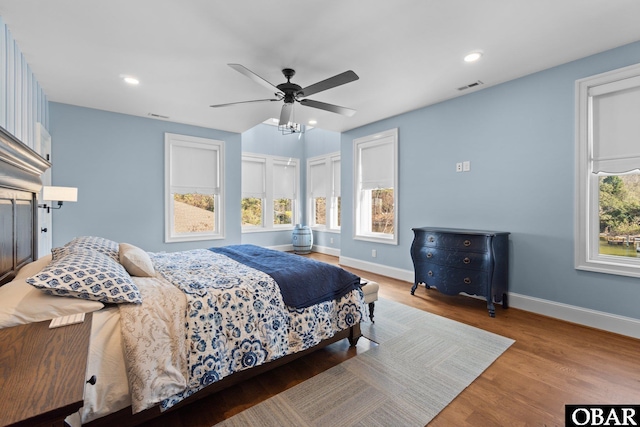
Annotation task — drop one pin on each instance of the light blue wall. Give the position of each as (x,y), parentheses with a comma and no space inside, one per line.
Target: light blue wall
(117,163)
(23,103)
(519,138)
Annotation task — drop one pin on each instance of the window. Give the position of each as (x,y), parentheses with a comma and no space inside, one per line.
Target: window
(269,181)
(193,188)
(323,188)
(607,236)
(253,191)
(376,187)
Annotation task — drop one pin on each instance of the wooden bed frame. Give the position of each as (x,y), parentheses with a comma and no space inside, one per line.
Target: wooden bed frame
(20,170)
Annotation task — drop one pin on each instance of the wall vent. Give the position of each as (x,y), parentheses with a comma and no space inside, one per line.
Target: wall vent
(158,116)
(470,85)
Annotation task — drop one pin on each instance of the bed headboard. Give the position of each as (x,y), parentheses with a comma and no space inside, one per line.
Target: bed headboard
(20,170)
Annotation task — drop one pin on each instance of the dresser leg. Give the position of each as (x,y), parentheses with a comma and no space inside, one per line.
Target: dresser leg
(491,308)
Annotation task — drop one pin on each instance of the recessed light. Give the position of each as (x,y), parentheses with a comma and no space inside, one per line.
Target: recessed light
(313,122)
(130,80)
(473,56)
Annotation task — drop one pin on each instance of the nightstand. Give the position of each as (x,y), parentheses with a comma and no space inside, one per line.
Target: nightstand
(42,372)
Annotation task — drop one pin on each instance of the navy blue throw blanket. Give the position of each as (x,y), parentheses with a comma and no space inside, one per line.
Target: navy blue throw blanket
(303,282)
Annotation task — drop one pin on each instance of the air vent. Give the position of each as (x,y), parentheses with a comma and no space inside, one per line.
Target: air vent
(469,86)
(158,116)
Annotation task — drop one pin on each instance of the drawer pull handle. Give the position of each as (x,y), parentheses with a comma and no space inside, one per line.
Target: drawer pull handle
(467,243)
(466,260)
(429,255)
(430,273)
(467,281)
(431,238)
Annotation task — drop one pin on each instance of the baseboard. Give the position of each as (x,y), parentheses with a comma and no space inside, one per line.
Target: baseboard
(383,270)
(583,316)
(282,248)
(326,250)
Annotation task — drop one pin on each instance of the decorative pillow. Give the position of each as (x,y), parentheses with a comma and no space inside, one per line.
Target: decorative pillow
(99,244)
(21,303)
(136,261)
(89,275)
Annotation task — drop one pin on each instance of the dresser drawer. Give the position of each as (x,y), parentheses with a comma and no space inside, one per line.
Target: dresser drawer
(467,242)
(451,281)
(458,259)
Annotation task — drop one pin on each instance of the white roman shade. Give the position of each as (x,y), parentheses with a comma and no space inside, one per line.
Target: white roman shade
(335,169)
(284,181)
(318,179)
(377,162)
(615,109)
(194,169)
(253,178)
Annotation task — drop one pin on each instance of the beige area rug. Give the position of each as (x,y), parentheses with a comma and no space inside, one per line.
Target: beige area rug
(422,363)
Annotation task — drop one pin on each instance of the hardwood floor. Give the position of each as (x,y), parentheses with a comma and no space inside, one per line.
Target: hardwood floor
(552,363)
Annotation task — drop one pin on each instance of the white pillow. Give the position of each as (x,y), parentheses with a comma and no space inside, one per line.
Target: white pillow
(136,261)
(21,303)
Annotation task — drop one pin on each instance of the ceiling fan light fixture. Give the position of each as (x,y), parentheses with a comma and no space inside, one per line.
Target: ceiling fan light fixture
(473,56)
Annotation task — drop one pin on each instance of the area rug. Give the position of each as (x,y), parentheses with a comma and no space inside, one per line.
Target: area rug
(422,363)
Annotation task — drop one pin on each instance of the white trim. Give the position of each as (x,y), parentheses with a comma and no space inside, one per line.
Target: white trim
(622,325)
(326,250)
(384,270)
(282,248)
(583,316)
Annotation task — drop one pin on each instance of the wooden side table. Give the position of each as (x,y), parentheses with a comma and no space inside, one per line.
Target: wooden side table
(42,372)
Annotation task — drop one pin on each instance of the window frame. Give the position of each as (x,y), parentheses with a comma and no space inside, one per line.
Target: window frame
(268,214)
(173,140)
(587,227)
(331,204)
(360,201)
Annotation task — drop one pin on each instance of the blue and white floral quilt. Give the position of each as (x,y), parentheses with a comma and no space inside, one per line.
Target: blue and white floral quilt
(236,319)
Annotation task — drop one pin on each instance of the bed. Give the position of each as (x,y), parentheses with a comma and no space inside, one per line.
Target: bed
(167,328)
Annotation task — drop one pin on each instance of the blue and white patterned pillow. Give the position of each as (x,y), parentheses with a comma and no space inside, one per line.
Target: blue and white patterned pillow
(98,244)
(87,274)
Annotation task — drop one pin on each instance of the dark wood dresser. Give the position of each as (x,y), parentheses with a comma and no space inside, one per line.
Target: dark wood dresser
(457,260)
(42,372)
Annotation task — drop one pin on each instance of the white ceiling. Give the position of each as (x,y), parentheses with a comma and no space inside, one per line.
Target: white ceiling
(408,53)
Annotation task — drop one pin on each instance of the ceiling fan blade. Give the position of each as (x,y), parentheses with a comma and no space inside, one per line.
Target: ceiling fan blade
(285,114)
(242,102)
(328,107)
(331,82)
(253,76)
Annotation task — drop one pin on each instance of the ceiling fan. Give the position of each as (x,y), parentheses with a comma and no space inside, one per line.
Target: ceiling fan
(291,92)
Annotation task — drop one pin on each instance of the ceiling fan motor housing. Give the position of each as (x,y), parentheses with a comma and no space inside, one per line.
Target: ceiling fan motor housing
(289,89)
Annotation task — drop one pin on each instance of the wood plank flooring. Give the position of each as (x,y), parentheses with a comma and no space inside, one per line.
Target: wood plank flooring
(552,363)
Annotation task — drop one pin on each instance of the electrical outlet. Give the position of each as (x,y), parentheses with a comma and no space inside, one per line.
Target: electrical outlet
(466,166)
(458,167)
(374,253)
(331,240)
